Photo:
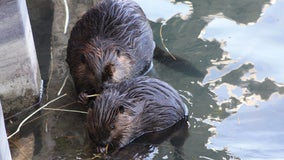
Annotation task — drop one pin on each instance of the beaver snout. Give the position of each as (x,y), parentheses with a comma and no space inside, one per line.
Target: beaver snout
(105,147)
(108,71)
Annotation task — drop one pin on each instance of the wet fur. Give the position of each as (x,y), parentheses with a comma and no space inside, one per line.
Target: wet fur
(113,41)
(125,111)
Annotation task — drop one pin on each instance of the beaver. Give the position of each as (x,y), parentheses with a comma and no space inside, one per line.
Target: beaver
(132,108)
(113,41)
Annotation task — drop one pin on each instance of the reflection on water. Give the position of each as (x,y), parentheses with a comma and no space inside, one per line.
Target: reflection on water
(260,43)
(253,133)
(161,10)
(257,75)
(233,77)
(227,69)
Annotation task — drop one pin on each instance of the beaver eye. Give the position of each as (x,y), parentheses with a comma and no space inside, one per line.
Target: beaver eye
(82,58)
(112,126)
(117,51)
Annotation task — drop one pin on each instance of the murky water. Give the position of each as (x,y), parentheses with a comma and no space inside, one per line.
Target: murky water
(228,69)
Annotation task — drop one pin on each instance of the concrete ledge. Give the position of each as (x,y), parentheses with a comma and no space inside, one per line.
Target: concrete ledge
(20,77)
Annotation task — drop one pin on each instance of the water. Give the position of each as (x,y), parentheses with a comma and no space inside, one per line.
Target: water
(228,70)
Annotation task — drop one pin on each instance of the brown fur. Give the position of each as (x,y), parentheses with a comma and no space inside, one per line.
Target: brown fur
(132,108)
(112,42)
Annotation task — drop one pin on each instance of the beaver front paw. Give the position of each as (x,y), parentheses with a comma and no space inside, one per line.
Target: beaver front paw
(83,98)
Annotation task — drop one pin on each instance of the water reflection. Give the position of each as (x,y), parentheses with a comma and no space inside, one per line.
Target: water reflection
(232,83)
(162,10)
(255,75)
(253,133)
(261,43)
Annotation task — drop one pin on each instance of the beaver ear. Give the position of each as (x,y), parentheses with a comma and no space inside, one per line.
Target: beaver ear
(82,58)
(121,109)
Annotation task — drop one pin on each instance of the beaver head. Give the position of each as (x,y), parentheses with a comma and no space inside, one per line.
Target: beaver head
(102,61)
(125,111)
(110,121)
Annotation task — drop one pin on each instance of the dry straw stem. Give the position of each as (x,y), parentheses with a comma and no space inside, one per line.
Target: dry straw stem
(21,124)
(63,85)
(44,114)
(66,16)
(97,156)
(65,110)
(92,95)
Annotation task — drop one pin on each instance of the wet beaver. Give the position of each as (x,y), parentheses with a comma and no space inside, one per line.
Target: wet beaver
(112,42)
(125,111)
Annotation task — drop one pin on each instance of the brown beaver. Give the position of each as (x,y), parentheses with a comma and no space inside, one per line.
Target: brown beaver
(112,42)
(125,111)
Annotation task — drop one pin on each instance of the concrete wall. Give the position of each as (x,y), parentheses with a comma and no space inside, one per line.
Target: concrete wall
(19,72)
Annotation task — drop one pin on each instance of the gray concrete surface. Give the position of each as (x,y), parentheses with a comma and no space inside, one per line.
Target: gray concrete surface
(19,72)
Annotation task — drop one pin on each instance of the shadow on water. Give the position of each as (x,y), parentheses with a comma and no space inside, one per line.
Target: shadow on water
(178,64)
(41,17)
(62,135)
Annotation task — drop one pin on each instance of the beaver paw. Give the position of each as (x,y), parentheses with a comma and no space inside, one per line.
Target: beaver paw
(83,98)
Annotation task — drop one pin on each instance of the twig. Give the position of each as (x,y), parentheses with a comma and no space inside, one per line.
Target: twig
(92,95)
(95,156)
(48,113)
(162,40)
(20,125)
(65,110)
(107,148)
(61,88)
(66,16)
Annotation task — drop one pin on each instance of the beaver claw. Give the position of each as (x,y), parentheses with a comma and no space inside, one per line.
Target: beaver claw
(83,98)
